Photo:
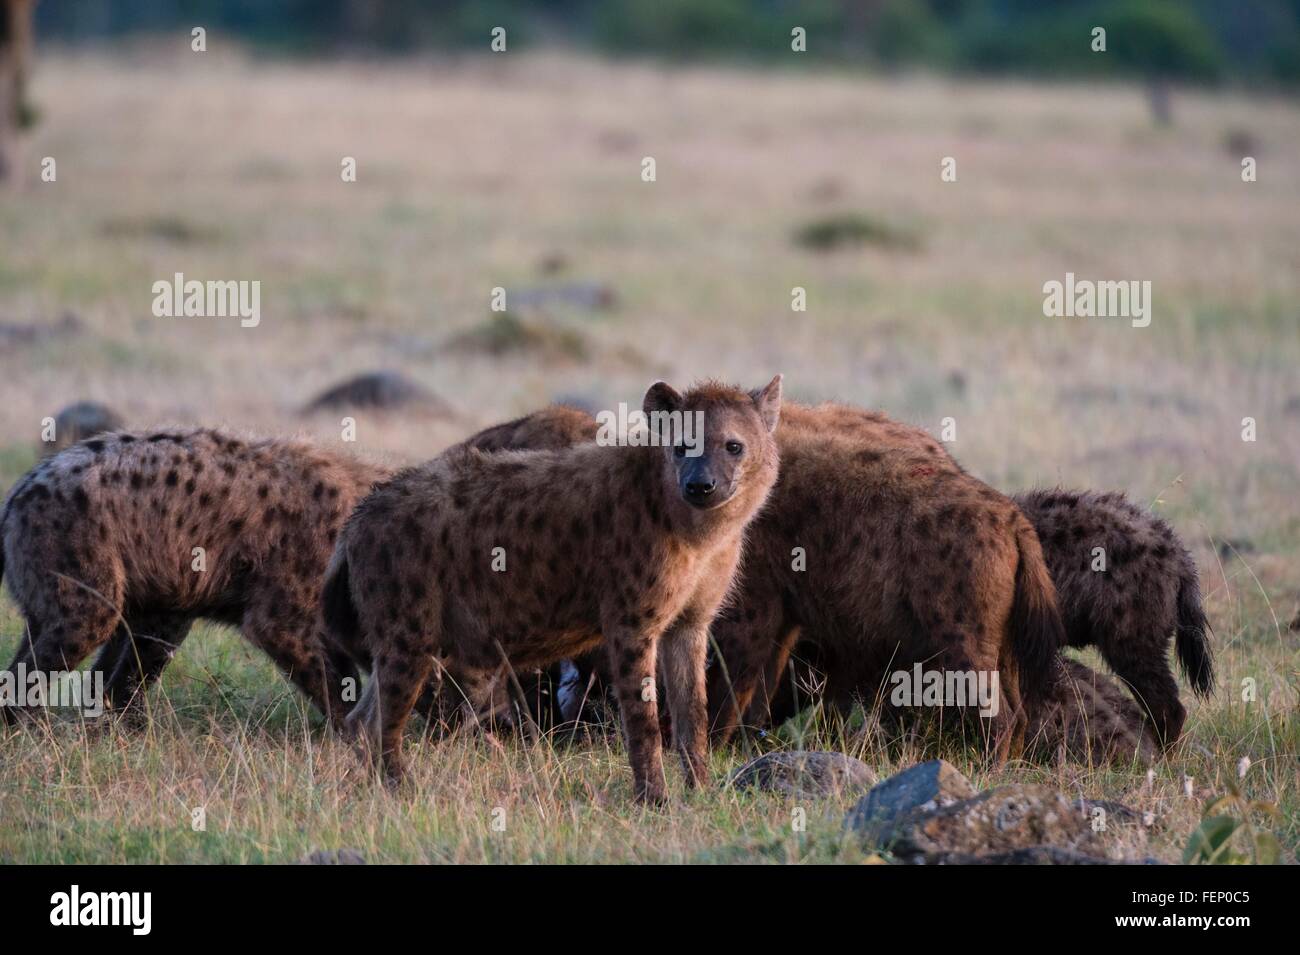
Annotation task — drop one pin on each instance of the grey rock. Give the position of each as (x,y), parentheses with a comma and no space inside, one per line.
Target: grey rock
(1007,819)
(930,785)
(78,421)
(805,773)
(379,390)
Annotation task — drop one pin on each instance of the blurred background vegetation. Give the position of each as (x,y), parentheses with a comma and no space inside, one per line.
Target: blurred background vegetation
(1254,42)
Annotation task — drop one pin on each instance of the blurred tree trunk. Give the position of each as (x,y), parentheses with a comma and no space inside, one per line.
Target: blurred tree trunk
(1160,99)
(16,36)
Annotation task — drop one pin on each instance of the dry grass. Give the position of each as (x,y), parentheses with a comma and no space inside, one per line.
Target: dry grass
(472,173)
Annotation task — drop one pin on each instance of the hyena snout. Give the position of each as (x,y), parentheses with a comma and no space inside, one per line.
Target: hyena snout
(699,487)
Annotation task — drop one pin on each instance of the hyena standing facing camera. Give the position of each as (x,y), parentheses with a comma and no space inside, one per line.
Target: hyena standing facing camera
(474,559)
(890,554)
(123,540)
(1148,593)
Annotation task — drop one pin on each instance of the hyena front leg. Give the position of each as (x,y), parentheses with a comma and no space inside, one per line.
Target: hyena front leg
(683,651)
(632,661)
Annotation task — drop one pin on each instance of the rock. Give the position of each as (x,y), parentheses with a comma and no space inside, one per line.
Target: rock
(1229,547)
(925,786)
(803,773)
(1034,855)
(507,334)
(1001,820)
(1115,812)
(590,296)
(79,421)
(379,390)
(335,857)
(16,334)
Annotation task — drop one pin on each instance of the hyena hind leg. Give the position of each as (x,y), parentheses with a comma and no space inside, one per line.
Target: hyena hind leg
(385,706)
(141,648)
(288,635)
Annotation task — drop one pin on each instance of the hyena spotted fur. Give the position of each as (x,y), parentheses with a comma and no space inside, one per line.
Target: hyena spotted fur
(908,558)
(1107,610)
(1087,718)
(473,560)
(98,544)
(1147,595)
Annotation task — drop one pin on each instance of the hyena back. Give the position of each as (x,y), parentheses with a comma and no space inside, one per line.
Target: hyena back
(478,560)
(123,540)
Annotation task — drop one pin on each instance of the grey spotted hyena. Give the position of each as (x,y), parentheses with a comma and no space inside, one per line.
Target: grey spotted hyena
(98,545)
(472,559)
(1147,595)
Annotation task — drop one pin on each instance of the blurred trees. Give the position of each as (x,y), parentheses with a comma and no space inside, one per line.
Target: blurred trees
(15,59)
(1187,40)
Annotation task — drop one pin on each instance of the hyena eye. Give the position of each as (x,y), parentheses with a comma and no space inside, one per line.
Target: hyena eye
(734,447)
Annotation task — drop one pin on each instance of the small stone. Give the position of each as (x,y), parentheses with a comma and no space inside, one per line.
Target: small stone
(805,773)
(380,390)
(335,857)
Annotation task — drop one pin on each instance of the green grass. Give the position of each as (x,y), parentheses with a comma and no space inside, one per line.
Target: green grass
(227,735)
(228,172)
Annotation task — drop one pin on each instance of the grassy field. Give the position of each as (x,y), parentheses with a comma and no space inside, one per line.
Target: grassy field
(524,173)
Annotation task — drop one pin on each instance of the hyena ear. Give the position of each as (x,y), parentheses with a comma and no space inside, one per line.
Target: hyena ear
(661,396)
(768,402)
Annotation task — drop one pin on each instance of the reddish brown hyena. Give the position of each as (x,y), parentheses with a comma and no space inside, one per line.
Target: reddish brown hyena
(895,556)
(123,540)
(452,568)
(1099,608)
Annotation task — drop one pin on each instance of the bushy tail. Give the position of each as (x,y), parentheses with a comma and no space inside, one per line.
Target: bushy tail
(1037,632)
(339,611)
(1193,645)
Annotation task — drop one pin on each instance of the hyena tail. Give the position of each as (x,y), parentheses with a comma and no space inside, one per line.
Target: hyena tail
(1193,644)
(339,611)
(1037,631)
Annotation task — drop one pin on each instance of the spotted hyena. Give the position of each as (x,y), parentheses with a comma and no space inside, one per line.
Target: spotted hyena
(122,541)
(892,554)
(1099,608)
(1145,595)
(454,568)
(1087,718)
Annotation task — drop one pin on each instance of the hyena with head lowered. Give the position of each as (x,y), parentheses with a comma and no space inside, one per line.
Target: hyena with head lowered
(123,540)
(452,568)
